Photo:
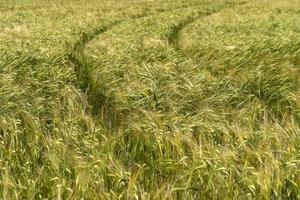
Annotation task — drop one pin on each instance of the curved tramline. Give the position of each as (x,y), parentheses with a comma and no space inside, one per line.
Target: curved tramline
(168,32)
(81,63)
(76,52)
(145,27)
(83,67)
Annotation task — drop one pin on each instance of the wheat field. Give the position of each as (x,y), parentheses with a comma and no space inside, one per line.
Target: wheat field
(144,99)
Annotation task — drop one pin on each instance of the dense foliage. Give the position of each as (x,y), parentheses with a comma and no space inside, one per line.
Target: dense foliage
(149,99)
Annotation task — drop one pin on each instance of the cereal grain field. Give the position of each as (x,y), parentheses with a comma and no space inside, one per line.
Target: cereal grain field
(144,99)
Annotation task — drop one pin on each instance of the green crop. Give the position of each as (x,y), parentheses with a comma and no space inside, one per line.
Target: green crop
(139,99)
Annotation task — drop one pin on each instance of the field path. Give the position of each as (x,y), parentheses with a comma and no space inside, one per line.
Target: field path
(99,101)
(81,62)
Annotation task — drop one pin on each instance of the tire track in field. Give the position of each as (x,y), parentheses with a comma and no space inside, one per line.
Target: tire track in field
(77,57)
(99,102)
(83,66)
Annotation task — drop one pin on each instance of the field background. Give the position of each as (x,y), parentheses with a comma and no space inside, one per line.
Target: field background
(141,99)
